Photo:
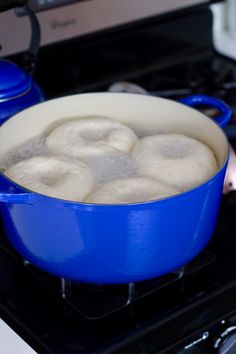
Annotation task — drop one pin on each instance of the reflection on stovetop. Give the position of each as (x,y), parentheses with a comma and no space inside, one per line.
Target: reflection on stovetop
(80,317)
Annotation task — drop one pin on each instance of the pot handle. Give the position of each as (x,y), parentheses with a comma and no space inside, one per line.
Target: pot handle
(196,100)
(17,198)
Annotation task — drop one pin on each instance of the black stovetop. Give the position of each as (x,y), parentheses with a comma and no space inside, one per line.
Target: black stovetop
(57,316)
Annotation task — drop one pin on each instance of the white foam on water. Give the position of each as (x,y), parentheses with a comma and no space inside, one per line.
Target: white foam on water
(33,147)
(105,168)
(111,167)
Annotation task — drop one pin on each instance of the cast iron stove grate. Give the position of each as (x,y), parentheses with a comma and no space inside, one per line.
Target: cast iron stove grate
(94,302)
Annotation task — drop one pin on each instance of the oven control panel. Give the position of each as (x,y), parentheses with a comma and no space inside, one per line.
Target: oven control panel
(66,19)
(226,342)
(219,339)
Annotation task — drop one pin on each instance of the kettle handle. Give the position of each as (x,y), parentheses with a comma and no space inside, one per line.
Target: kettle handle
(196,100)
(30,57)
(9,4)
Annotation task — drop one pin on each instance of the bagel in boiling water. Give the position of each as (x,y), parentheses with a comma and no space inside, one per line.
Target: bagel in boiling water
(176,159)
(88,137)
(131,190)
(56,177)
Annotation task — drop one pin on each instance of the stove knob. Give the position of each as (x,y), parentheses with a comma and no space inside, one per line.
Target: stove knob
(226,343)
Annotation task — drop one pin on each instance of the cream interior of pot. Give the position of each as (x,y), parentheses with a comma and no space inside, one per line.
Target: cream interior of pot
(145,114)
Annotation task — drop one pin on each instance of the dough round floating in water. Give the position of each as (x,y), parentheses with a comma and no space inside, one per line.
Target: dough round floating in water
(86,137)
(53,176)
(131,190)
(176,159)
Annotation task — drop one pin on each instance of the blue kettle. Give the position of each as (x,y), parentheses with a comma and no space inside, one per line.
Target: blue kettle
(17,88)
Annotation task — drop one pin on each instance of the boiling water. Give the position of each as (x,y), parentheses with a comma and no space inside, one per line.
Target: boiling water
(105,168)
(31,148)
(110,167)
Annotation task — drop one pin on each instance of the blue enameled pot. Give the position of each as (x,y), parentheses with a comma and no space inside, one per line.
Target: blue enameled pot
(114,243)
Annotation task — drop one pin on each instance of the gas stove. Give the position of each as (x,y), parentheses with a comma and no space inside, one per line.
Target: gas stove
(192,310)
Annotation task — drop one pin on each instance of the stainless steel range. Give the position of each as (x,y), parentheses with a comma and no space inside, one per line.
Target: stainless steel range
(164,48)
